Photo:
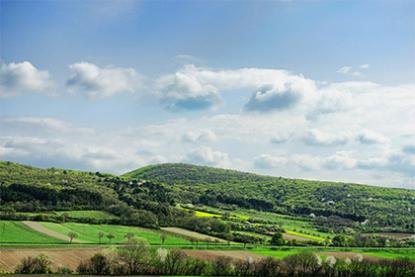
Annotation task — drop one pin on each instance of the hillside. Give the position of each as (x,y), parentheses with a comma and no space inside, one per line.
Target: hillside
(382,207)
(148,196)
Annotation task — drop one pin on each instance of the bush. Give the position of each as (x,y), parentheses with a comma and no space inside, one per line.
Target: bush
(37,265)
(96,265)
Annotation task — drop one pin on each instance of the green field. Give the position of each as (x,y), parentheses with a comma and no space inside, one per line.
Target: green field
(89,233)
(100,215)
(386,253)
(16,232)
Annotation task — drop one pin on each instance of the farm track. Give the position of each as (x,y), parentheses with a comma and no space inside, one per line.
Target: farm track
(41,229)
(191,234)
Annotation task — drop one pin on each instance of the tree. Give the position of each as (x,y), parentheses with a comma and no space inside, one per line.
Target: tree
(100,236)
(71,236)
(135,255)
(110,237)
(129,236)
(277,238)
(163,238)
(37,265)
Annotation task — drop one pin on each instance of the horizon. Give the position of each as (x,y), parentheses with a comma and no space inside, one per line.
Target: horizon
(320,90)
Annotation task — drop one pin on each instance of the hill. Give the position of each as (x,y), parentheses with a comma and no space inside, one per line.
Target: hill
(375,206)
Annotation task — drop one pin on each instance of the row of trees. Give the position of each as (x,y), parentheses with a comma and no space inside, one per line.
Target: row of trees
(136,258)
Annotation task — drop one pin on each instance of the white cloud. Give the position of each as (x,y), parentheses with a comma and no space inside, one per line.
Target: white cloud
(364,66)
(207,156)
(204,136)
(266,161)
(194,88)
(23,77)
(370,137)
(317,137)
(95,81)
(348,70)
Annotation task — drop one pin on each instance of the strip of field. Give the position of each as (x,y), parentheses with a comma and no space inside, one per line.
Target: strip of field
(17,232)
(393,235)
(41,229)
(192,235)
(211,255)
(69,257)
(91,233)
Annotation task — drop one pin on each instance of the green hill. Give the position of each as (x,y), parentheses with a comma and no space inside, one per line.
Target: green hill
(148,196)
(382,207)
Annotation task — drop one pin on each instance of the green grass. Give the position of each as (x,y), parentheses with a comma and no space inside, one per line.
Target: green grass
(206,214)
(100,215)
(89,233)
(306,236)
(88,214)
(16,232)
(386,253)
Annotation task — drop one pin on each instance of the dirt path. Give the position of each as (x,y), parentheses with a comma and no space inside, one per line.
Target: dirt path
(68,257)
(191,234)
(211,255)
(41,229)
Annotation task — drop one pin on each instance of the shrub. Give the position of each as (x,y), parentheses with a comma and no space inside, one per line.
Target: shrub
(37,265)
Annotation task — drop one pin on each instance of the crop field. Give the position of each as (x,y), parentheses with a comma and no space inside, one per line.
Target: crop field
(90,233)
(17,232)
(191,234)
(371,253)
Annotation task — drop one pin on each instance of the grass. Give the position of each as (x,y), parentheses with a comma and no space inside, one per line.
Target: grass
(306,236)
(88,214)
(16,232)
(100,215)
(385,253)
(206,214)
(89,233)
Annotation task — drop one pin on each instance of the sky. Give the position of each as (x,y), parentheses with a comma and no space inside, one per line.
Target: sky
(321,90)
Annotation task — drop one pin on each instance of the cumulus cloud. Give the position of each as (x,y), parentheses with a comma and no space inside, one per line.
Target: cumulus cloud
(279,138)
(370,137)
(43,124)
(194,88)
(22,77)
(351,71)
(266,161)
(207,156)
(203,136)
(97,81)
(320,138)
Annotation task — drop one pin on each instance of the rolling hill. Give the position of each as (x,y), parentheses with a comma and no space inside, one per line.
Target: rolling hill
(149,195)
(376,206)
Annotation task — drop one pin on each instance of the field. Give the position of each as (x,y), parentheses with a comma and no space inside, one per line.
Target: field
(17,232)
(100,215)
(56,233)
(191,234)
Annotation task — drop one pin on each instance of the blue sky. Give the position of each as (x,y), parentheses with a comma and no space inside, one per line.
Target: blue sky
(310,89)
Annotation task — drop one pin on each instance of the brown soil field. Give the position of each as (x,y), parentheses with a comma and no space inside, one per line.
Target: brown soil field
(68,257)
(211,255)
(191,234)
(41,229)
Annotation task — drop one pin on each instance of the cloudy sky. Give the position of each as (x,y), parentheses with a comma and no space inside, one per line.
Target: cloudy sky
(312,89)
